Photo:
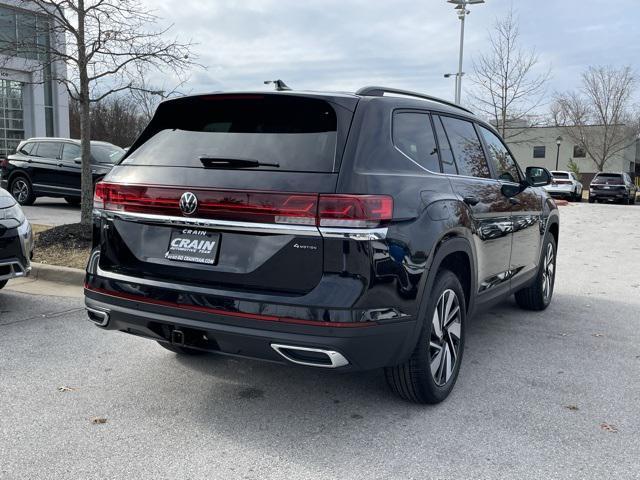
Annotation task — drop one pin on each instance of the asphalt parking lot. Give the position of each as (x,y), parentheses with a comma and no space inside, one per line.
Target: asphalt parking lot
(52,212)
(540,395)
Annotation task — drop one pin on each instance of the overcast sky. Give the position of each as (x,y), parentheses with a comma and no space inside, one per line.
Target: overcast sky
(346,44)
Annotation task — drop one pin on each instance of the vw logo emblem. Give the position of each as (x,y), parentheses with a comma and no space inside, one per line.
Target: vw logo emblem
(188,203)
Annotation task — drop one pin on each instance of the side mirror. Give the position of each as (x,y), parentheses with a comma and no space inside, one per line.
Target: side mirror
(78,160)
(538,176)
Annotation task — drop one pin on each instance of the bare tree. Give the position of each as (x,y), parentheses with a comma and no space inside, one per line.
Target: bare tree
(149,96)
(96,48)
(116,119)
(599,116)
(505,85)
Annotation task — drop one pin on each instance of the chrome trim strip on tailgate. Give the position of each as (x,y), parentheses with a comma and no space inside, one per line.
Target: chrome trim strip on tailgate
(358,234)
(305,230)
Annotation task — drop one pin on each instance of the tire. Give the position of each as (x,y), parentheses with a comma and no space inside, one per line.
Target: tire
(633,200)
(72,200)
(577,197)
(22,190)
(181,350)
(413,380)
(538,295)
(3,283)
(592,200)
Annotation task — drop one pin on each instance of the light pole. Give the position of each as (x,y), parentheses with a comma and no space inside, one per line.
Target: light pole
(455,85)
(558,143)
(461,7)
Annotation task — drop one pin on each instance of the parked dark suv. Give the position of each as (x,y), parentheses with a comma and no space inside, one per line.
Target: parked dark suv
(342,231)
(51,167)
(612,187)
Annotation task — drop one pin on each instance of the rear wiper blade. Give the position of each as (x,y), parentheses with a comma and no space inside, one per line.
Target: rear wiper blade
(216,162)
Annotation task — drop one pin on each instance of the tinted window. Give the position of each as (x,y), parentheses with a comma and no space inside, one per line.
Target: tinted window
(539,152)
(466,147)
(560,174)
(609,178)
(413,136)
(504,163)
(47,150)
(298,134)
(106,154)
(26,148)
(70,151)
(446,154)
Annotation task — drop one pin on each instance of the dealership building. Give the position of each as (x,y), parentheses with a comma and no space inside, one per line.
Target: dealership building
(31,104)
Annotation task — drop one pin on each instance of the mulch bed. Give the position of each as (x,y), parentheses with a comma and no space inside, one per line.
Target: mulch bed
(65,245)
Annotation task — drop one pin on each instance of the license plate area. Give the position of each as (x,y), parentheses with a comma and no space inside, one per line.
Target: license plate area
(193,246)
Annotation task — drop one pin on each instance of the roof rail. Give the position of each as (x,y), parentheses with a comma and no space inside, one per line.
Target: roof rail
(380,91)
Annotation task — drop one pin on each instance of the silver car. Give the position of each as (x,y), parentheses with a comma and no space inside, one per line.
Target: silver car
(16,240)
(565,185)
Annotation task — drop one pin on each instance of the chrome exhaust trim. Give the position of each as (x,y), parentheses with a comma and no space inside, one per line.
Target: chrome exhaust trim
(336,359)
(99,317)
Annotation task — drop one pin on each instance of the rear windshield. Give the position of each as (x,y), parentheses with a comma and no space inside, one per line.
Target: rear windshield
(609,178)
(296,134)
(560,175)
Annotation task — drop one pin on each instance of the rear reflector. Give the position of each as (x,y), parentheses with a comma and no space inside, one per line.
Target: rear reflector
(263,207)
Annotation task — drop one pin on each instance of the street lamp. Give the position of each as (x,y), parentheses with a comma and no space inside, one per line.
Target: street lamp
(558,142)
(461,7)
(455,87)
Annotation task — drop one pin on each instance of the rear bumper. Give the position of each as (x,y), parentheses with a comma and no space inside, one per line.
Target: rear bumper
(608,194)
(363,347)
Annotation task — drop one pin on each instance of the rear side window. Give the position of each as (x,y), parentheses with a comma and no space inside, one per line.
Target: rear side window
(47,150)
(560,175)
(26,148)
(466,147)
(413,136)
(502,160)
(297,134)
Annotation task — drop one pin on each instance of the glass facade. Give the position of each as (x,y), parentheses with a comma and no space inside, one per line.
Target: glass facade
(27,35)
(24,33)
(11,115)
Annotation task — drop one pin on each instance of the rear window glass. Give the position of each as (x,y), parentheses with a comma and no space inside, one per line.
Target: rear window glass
(560,175)
(297,134)
(611,179)
(109,154)
(47,150)
(413,136)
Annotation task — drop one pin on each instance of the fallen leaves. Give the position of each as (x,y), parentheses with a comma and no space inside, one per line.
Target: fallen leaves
(607,427)
(65,388)
(598,335)
(572,407)
(98,420)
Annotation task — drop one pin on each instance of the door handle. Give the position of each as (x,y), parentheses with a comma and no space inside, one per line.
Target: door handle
(471,200)
(60,164)
(514,201)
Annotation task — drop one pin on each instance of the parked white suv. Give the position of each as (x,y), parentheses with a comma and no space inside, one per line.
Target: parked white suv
(565,185)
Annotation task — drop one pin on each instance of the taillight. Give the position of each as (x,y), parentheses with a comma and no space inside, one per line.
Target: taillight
(354,210)
(263,207)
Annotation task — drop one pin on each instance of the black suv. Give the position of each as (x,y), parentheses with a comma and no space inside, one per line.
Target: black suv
(612,187)
(339,231)
(51,167)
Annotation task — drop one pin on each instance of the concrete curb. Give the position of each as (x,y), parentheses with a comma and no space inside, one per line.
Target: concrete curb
(57,274)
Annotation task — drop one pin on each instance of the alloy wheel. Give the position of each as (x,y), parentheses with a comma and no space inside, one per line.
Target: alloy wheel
(20,190)
(444,344)
(548,271)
